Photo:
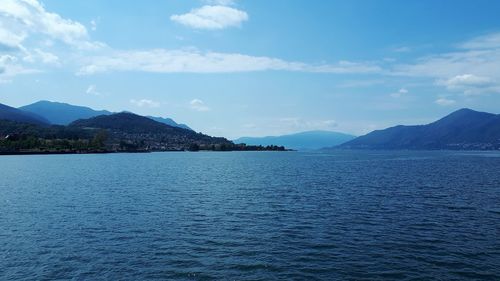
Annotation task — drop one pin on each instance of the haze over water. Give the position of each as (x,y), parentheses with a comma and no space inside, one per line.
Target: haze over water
(251,216)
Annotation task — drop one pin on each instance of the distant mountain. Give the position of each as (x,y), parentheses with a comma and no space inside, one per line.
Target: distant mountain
(119,132)
(14,114)
(63,114)
(127,122)
(301,141)
(169,121)
(146,133)
(462,129)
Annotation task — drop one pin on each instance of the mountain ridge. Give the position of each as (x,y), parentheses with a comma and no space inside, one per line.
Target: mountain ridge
(124,121)
(59,113)
(14,114)
(118,132)
(462,129)
(308,140)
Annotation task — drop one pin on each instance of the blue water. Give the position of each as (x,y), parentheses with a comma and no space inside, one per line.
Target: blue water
(251,216)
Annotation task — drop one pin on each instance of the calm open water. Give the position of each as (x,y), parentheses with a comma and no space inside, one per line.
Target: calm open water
(251,216)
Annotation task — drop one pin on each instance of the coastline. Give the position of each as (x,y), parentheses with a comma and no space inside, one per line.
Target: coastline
(20,153)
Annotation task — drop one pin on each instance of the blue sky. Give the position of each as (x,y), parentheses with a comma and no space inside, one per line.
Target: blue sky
(256,67)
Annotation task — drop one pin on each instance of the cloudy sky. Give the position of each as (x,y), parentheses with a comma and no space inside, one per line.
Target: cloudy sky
(256,67)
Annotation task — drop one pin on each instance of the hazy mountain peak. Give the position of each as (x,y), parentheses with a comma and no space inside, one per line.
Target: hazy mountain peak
(461,129)
(14,114)
(307,140)
(60,113)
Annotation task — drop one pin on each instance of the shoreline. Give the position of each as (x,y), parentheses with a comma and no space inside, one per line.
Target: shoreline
(20,153)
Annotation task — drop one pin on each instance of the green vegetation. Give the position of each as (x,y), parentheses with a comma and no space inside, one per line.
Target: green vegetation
(464,129)
(29,138)
(122,132)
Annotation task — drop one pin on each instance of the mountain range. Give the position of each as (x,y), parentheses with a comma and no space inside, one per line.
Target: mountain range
(146,133)
(464,129)
(46,124)
(58,113)
(14,114)
(310,140)
(24,132)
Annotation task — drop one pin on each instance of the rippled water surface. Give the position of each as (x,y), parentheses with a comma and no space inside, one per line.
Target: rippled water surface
(251,216)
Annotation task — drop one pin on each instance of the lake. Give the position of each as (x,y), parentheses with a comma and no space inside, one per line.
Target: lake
(342,215)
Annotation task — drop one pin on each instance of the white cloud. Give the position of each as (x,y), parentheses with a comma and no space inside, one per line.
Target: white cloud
(193,61)
(27,31)
(467,79)
(360,83)
(93,25)
(145,103)
(473,69)
(9,40)
(10,66)
(469,84)
(47,57)
(4,59)
(445,102)
(295,124)
(399,93)
(198,105)
(487,41)
(20,18)
(221,2)
(92,90)
(212,17)
(404,49)
(476,62)
(37,55)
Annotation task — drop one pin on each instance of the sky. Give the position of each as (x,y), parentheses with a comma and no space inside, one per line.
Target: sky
(237,68)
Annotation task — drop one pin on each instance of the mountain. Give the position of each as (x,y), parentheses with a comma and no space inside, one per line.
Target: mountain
(462,129)
(128,122)
(301,141)
(144,133)
(14,114)
(63,114)
(119,132)
(170,122)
